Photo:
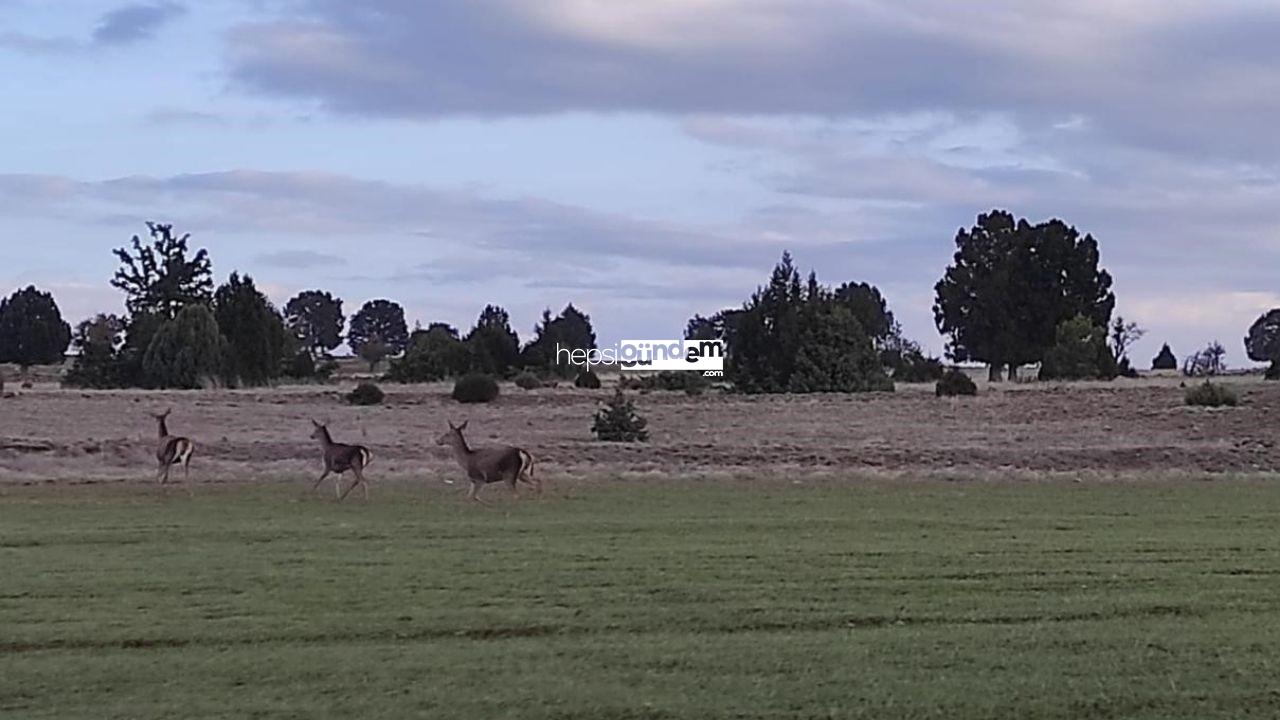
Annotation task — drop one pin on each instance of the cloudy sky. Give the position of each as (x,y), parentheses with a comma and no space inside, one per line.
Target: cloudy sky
(646,160)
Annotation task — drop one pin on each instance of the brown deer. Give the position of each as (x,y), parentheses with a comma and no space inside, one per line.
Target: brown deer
(339,458)
(172,450)
(489,465)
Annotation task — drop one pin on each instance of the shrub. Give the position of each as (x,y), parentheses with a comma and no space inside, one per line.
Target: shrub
(528,381)
(475,388)
(301,366)
(366,393)
(955,382)
(187,353)
(1079,352)
(587,380)
(687,381)
(1273,371)
(1165,360)
(618,421)
(915,367)
(1208,394)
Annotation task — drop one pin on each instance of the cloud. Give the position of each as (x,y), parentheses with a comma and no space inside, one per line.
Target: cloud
(299,259)
(170,116)
(135,22)
(37,44)
(1164,74)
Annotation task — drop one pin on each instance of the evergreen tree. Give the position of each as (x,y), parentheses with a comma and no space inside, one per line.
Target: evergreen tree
(1165,360)
(570,330)
(434,354)
(187,353)
(1079,352)
(495,347)
(800,337)
(254,331)
(98,364)
(1012,284)
(32,331)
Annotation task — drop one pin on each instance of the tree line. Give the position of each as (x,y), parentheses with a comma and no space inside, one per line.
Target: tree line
(1015,294)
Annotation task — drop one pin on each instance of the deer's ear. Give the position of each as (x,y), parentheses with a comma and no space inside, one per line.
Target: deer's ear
(463,426)
(313,422)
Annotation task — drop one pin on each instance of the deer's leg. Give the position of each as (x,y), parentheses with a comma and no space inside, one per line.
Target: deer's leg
(344,495)
(323,475)
(186,475)
(474,492)
(359,471)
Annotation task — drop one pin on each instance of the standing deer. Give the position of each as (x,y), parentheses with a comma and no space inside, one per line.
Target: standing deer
(172,450)
(339,458)
(489,465)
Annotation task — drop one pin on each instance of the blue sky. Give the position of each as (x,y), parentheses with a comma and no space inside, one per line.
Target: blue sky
(644,160)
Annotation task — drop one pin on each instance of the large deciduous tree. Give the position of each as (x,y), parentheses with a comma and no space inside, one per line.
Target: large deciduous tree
(378,331)
(1010,286)
(32,331)
(380,319)
(162,276)
(316,320)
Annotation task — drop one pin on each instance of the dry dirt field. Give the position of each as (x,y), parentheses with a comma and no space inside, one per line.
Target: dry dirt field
(1087,430)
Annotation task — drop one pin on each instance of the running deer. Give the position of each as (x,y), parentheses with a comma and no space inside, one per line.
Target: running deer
(339,458)
(489,465)
(172,450)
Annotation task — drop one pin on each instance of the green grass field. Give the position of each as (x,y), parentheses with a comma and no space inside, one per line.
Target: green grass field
(703,600)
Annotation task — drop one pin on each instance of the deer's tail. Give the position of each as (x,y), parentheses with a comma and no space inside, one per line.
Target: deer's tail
(526,466)
(366,457)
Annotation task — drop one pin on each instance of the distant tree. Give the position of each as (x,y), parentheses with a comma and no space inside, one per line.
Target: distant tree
(188,352)
(316,320)
(1010,286)
(570,330)
(1263,341)
(255,332)
(1208,361)
(1079,352)
(382,320)
(159,277)
(32,331)
(98,363)
(1123,335)
(869,307)
(434,354)
(1165,360)
(495,347)
(373,351)
(794,337)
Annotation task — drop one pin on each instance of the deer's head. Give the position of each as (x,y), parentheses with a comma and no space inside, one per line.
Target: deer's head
(319,430)
(162,415)
(454,435)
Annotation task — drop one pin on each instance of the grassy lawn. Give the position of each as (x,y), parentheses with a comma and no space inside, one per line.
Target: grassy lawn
(962,600)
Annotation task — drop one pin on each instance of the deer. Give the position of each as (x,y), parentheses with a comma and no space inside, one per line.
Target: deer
(172,450)
(339,458)
(489,465)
